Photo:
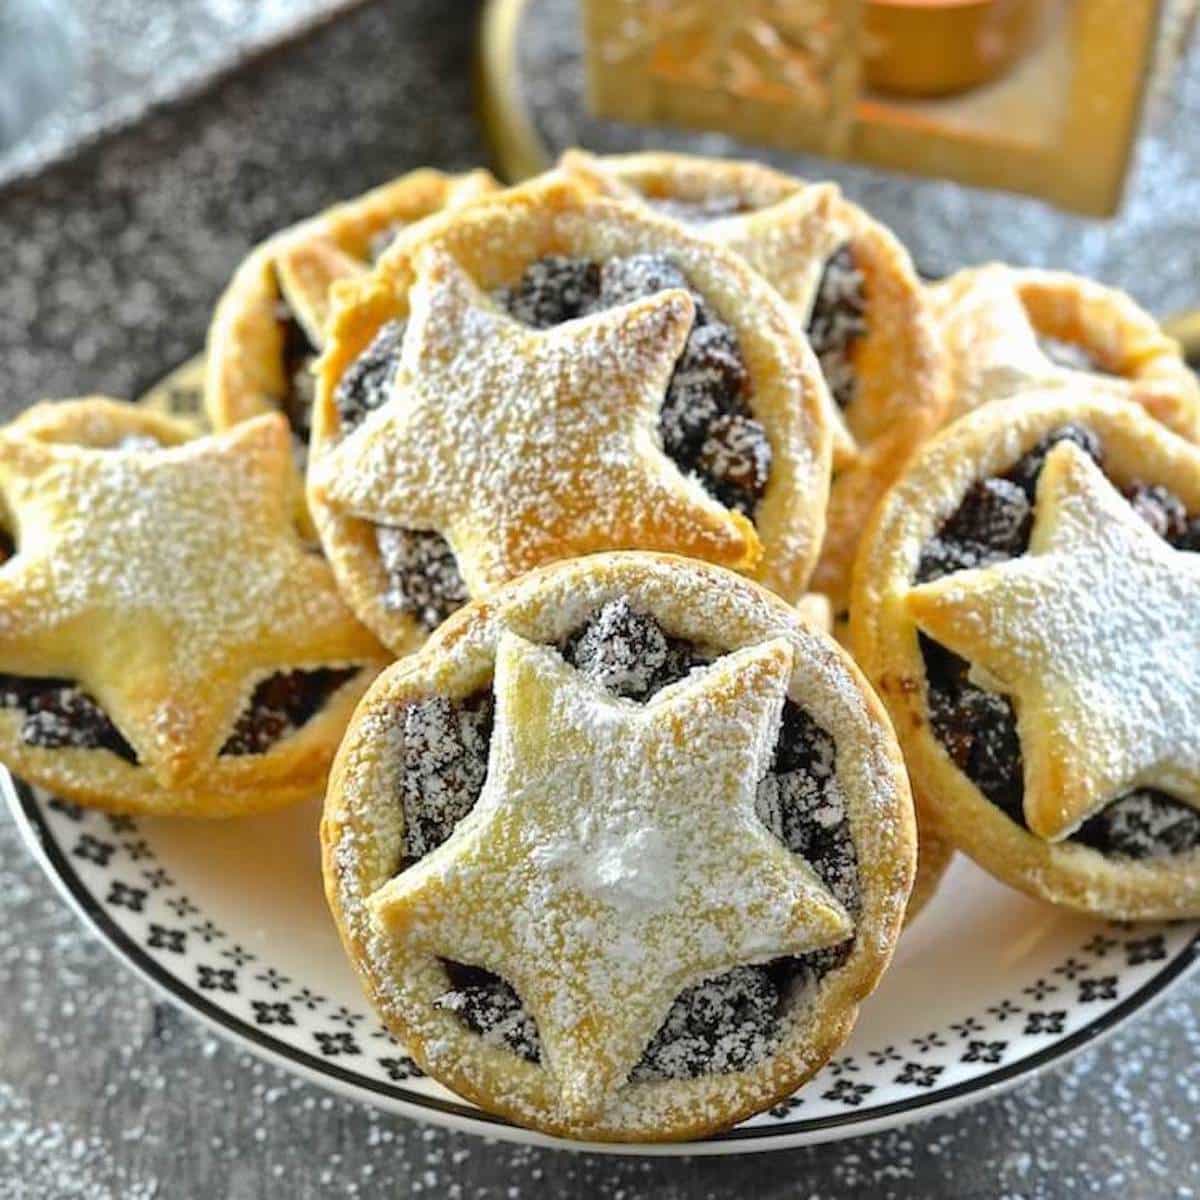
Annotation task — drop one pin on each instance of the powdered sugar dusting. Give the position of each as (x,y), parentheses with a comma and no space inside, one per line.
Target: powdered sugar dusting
(632,869)
(1093,633)
(150,549)
(520,446)
(624,865)
(513,519)
(167,534)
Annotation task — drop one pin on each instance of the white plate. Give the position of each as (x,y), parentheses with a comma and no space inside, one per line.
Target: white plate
(228,919)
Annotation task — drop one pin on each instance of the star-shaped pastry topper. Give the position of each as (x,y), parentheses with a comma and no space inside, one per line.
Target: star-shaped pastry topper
(167,582)
(520,446)
(1095,635)
(614,858)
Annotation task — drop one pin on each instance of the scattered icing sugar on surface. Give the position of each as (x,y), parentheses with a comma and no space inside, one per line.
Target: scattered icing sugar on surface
(123,1097)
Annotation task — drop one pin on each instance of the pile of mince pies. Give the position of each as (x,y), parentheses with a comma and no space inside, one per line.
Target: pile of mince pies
(660,581)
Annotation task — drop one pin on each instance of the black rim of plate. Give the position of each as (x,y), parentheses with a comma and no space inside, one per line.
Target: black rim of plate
(28,813)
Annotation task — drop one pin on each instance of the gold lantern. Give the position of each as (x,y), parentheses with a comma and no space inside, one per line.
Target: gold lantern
(1037,96)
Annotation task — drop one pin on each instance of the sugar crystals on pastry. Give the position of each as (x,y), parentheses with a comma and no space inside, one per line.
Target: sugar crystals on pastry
(167,644)
(618,852)
(1027,604)
(548,374)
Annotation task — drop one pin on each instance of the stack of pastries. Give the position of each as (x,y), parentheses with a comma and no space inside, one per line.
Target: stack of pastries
(660,581)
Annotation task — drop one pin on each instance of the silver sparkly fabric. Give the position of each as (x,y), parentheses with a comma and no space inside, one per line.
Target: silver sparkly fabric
(73,69)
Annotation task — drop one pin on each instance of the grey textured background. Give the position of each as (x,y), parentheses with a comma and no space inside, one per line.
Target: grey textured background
(110,265)
(74,69)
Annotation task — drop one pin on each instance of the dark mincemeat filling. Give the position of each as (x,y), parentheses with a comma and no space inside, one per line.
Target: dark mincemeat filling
(59,714)
(978,728)
(838,320)
(725,1023)
(366,383)
(281,704)
(299,354)
(423,580)
(706,425)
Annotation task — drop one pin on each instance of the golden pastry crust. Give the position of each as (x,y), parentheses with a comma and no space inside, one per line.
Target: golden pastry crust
(934,852)
(788,230)
(157,617)
(993,320)
(885,640)
(618,358)
(97,422)
(245,369)
(362,838)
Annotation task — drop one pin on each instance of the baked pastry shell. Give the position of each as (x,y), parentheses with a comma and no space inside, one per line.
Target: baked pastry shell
(361,836)
(993,314)
(292,770)
(244,371)
(494,240)
(988,442)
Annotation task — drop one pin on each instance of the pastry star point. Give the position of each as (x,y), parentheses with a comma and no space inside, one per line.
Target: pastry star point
(1092,634)
(615,858)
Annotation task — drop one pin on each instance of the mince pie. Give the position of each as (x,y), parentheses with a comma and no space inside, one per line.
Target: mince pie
(854,287)
(1008,328)
(1027,603)
(549,374)
(618,853)
(167,645)
(267,329)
